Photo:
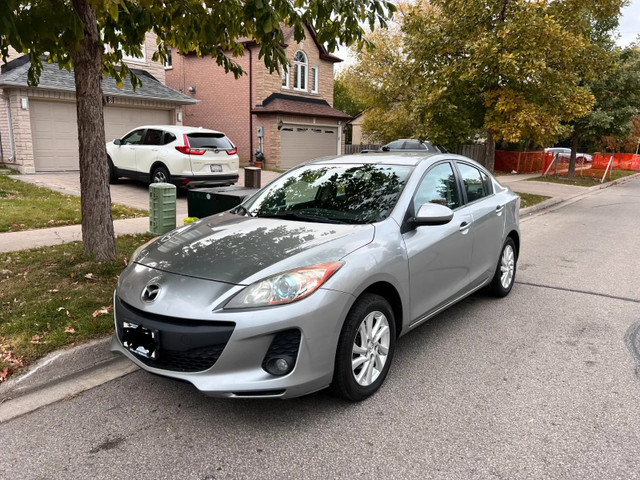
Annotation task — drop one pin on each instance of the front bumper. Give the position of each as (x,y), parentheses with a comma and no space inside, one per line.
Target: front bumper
(245,337)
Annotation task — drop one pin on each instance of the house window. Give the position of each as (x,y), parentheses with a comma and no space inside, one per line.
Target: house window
(285,77)
(314,79)
(168,63)
(300,71)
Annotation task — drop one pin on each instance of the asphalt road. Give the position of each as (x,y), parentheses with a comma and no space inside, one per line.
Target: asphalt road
(542,384)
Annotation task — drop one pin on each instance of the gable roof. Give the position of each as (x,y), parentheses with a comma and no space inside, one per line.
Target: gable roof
(15,74)
(288,33)
(295,105)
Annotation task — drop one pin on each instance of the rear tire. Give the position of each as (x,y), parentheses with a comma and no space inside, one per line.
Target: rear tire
(505,275)
(160,175)
(365,348)
(113,172)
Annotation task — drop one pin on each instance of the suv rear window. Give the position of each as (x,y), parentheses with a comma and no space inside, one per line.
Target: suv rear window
(209,140)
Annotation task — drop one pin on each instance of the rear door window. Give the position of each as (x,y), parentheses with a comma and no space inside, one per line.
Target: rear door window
(153,137)
(474,185)
(209,140)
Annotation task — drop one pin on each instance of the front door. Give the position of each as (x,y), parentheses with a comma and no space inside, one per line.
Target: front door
(439,256)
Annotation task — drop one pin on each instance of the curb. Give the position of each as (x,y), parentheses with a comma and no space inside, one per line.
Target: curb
(60,375)
(529,212)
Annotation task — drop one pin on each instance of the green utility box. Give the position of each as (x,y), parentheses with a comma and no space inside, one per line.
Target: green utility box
(202,202)
(162,208)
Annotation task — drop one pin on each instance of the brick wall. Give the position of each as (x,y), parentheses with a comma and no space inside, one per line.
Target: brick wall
(224,101)
(154,68)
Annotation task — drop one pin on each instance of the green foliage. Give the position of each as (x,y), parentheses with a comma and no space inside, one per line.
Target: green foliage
(617,93)
(210,27)
(509,70)
(345,100)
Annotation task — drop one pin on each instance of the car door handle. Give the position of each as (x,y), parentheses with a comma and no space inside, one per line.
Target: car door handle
(499,209)
(464,227)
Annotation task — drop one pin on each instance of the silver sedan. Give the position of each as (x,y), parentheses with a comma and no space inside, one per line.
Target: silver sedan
(309,283)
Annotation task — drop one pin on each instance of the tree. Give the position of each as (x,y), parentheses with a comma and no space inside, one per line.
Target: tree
(74,33)
(617,94)
(344,99)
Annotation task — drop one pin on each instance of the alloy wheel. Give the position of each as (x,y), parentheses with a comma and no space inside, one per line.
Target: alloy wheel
(370,348)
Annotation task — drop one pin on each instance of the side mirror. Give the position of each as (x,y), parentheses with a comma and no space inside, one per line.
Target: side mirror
(385,149)
(433,214)
(117,141)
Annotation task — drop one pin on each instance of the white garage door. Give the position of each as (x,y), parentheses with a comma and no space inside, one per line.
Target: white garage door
(119,120)
(302,143)
(54,130)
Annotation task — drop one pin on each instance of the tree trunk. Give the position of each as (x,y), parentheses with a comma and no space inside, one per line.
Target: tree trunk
(490,152)
(97,225)
(575,137)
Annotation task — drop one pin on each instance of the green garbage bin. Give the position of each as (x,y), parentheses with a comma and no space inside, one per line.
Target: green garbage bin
(162,208)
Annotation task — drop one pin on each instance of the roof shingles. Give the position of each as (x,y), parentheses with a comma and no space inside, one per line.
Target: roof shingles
(53,78)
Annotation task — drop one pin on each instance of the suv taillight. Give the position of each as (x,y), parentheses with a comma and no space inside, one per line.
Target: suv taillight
(188,150)
(233,151)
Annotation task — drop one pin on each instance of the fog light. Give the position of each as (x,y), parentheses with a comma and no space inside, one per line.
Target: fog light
(279,365)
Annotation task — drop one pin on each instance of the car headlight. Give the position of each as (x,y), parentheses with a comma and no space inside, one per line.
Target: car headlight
(285,287)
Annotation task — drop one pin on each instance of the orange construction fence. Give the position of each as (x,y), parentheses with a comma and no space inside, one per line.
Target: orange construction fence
(522,162)
(621,161)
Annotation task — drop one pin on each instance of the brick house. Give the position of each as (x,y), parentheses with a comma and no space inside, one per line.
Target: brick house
(293,109)
(38,126)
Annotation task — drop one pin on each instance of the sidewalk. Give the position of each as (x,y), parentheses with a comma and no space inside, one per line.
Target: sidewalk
(127,192)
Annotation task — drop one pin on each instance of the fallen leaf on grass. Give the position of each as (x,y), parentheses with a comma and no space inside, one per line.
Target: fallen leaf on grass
(36,339)
(101,311)
(4,374)
(90,276)
(69,330)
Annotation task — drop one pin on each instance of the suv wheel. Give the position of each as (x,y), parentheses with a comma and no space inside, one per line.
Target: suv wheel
(160,175)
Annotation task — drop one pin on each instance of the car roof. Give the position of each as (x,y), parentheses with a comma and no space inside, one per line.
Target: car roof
(180,128)
(405,158)
(379,158)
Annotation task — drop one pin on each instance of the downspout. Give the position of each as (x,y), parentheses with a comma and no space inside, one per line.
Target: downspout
(250,106)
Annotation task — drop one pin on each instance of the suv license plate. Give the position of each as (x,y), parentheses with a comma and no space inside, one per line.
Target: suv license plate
(216,168)
(140,340)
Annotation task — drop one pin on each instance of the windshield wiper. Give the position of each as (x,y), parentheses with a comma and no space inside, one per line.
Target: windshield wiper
(240,210)
(299,217)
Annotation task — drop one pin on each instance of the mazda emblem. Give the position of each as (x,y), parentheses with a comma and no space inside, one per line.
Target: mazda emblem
(150,292)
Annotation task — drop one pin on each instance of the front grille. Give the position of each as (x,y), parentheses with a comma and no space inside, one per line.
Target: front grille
(184,345)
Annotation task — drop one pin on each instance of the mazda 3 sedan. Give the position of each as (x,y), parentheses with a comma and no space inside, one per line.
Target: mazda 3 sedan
(309,283)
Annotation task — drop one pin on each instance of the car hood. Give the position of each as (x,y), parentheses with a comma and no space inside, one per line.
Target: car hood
(240,250)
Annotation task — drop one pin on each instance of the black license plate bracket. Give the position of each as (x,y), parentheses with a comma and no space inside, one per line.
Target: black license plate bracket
(140,340)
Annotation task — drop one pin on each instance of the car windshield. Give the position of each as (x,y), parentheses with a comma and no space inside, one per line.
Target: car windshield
(209,140)
(331,194)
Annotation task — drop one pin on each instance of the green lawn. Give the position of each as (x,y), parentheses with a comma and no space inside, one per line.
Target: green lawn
(24,206)
(54,297)
(529,199)
(589,178)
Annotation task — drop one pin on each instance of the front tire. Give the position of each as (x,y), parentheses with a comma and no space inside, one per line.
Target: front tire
(365,348)
(160,175)
(505,275)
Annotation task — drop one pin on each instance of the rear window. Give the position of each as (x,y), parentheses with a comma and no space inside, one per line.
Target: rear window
(209,140)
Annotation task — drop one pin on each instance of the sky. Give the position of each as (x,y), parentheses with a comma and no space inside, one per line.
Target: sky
(629,28)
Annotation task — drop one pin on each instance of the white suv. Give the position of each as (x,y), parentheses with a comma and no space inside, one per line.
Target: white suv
(185,156)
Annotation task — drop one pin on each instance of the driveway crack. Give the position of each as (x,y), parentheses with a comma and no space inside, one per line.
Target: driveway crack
(584,292)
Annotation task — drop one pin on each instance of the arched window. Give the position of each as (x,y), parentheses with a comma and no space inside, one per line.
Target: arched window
(300,71)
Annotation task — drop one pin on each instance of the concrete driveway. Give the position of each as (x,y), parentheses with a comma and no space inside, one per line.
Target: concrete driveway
(128,192)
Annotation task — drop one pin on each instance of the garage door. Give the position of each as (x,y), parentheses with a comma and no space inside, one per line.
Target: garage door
(54,130)
(55,135)
(302,143)
(119,120)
